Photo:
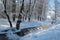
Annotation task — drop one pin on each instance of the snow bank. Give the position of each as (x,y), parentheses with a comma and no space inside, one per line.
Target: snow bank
(12,36)
(30,24)
(50,34)
(53,33)
(4,24)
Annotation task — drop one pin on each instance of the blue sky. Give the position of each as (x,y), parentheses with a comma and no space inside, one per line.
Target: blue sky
(58,0)
(51,4)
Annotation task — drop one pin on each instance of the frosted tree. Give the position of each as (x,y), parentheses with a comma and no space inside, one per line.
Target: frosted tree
(13,9)
(1,9)
(40,9)
(28,11)
(5,11)
(20,16)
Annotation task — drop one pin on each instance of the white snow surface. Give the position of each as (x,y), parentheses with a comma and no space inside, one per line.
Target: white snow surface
(52,33)
(4,24)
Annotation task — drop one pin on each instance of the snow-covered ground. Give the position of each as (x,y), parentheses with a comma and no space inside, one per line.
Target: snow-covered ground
(4,24)
(52,33)
(48,32)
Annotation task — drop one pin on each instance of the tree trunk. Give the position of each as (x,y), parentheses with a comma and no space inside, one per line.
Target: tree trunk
(20,16)
(29,15)
(4,2)
(18,22)
(13,9)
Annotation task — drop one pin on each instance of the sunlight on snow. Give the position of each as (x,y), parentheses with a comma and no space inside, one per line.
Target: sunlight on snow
(49,17)
(5,25)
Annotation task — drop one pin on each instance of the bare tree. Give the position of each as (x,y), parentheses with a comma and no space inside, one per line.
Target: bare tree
(20,16)
(5,11)
(14,9)
(29,15)
(32,8)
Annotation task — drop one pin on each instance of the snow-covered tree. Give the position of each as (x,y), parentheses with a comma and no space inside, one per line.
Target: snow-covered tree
(14,9)
(5,11)
(20,16)
(41,9)
(1,9)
